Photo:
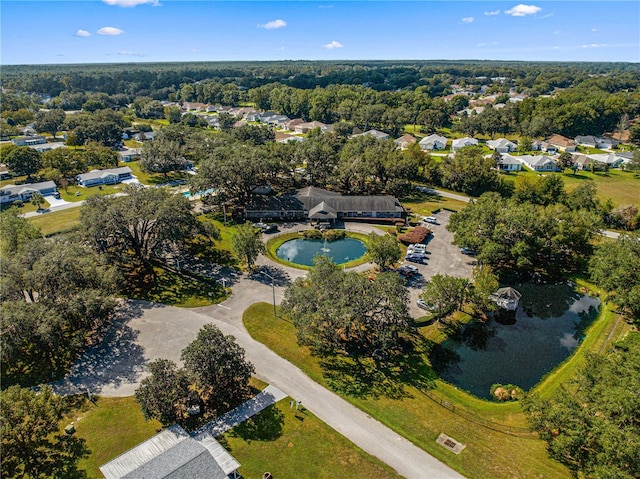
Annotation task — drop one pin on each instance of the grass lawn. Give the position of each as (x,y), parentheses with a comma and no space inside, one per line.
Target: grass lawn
(154,178)
(110,426)
(424,204)
(75,193)
(57,221)
(298,445)
(415,413)
(623,187)
(179,289)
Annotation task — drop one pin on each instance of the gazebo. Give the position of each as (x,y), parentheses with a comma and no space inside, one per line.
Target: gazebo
(507,298)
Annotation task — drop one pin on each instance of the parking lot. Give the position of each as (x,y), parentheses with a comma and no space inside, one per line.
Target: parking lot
(442,257)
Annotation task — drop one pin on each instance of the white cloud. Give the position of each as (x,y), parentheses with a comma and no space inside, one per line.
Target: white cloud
(128,53)
(193,50)
(325,6)
(521,10)
(131,3)
(112,31)
(549,15)
(273,24)
(467,20)
(484,44)
(492,13)
(594,29)
(333,45)
(593,45)
(82,33)
(280,49)
(557,32)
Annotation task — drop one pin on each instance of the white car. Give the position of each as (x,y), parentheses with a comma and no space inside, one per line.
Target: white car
(417,248)
(422,304)
(430,219)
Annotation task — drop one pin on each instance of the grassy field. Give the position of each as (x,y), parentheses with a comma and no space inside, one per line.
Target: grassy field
(75,193)
(413,406)
(110,426)
(623,187)
(57,221)
(286,443)
(154,178)
(298,445)
(424,204)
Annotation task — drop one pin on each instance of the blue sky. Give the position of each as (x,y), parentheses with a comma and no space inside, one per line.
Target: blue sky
(110,31)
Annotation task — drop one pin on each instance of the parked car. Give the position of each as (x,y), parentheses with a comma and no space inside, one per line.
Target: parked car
(414,258)
(270,229)
(469,251)
(260,225)
(430,219)
(422,304)
(407,270)
(417,248)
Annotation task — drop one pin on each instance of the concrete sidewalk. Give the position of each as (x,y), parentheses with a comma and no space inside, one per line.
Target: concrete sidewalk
(268,396)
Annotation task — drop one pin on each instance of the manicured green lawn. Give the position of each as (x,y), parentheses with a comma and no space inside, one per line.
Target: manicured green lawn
(623,187)
(57,221)
(75,193)
(182,290)
(154,178)
(293,444)
(414,411)
(110,427)
(424,204)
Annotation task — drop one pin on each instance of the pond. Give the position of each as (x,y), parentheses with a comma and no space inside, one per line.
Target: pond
(548,325)
(302,251)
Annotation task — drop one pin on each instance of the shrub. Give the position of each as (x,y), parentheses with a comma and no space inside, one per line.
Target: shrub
(416,235)
(18,203)
(506,392)
(312,234)
(334,235)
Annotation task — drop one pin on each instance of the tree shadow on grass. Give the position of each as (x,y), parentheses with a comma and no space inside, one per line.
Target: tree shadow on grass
(265,426)
(389,377)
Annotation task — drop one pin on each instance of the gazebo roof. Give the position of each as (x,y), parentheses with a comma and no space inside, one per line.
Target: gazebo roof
(508,293)
(322,212)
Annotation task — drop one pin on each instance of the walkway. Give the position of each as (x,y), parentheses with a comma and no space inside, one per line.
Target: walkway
(268,396)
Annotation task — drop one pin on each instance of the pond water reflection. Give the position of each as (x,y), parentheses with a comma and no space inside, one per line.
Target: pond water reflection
(548,325)
(302,251)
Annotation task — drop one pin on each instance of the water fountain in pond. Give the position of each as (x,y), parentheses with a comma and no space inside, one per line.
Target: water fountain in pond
(324,248)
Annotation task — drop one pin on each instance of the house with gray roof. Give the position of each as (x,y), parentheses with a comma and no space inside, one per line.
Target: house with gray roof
(111,176)
(29,140)
(509,163)
(129,154)
(502,145)
(405,141)
(11,193)
(173,453)
(462,143)
(538,163)
(433,142)
(323,205)
(380,135)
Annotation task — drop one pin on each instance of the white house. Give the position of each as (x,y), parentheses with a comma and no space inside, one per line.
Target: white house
(433,142)
(29,140)
(463,142)
(129,154)
(11,193)
(509,163)
(502,145)
(380,135)
(303,128)
(104,177)
(538,163)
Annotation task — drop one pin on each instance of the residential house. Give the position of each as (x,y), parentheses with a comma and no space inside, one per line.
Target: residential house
(587,140)
(41,148)
(562,143)
(29,140)
(193,106)
(600,161)
(539,145)
(291,126)
(11,193)
(463,142)
(173,453)
(502,145)
(380,135)
(405,141)
(303,128)
(290,139)
(111,176)
(129,154)
(509,163)
(538,163)
(582,162)
(322,205)
(433,142)
(279,121)
(145,136)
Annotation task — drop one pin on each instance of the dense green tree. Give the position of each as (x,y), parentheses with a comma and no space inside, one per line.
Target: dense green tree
(50,121)
(592,424)
(525,144)
(446,293)
(138,228)
(173,114)
(484,283)
(469,172)
(247,244)
(163,156)
(15,232)
(219,369)
(32,445)
(37,200)
(615,266)
(68,162)
(336,311)
(253,134)
(383,250)
(24,161)
(164,394)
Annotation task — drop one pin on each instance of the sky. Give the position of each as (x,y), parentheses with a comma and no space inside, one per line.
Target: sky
(117,31)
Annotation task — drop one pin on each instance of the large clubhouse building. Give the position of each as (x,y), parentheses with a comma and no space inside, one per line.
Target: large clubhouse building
(322,205)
